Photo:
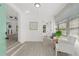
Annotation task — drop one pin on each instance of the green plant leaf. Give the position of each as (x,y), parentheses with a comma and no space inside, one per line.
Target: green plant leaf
(58,34)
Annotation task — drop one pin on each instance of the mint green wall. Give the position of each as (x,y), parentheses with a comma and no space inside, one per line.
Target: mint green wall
(2,29)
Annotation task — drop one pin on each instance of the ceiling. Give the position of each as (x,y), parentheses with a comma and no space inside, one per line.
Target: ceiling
(44,11)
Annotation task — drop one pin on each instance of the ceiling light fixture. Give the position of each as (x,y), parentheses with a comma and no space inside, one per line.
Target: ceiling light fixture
(37,5)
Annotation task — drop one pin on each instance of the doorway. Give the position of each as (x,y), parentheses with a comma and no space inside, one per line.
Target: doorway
(11,31)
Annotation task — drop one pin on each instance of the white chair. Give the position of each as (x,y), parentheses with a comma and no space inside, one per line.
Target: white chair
(66,45)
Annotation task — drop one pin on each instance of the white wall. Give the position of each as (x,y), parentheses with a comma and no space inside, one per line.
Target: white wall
(28,35)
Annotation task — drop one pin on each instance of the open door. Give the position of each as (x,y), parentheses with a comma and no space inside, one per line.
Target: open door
(2,30)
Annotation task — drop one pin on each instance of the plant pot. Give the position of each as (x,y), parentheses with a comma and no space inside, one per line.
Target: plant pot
(56,40)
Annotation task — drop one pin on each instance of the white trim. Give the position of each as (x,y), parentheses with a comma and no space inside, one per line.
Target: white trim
(13,48)
(17,50)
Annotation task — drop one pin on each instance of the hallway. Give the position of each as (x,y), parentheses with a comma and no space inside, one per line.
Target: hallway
(41,21)
(39,29)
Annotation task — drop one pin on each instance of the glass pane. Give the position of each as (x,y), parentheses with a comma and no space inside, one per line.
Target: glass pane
(74,33)
(64,32)
(63,28)
(74,23)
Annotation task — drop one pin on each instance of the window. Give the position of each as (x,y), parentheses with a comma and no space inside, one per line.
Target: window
(70,28)
(74,23)
(33,25)
(63,28)
(74,32)
(74,28)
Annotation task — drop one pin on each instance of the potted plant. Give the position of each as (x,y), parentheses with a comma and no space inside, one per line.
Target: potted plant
(58,34)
